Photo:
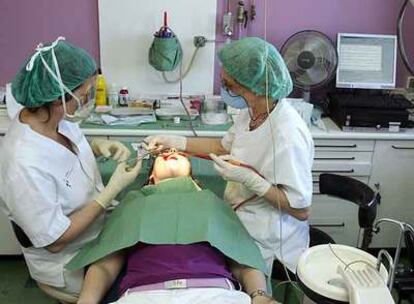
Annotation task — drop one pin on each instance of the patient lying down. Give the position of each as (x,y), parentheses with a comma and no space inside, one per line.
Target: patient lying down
(174,273)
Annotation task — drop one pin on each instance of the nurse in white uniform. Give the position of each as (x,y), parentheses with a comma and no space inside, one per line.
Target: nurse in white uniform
(50,185)
(268,135)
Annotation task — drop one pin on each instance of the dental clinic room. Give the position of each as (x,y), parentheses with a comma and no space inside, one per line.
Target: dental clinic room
(207,152)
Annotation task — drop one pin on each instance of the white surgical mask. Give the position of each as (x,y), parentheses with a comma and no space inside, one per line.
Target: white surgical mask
(83,110)
(234,101)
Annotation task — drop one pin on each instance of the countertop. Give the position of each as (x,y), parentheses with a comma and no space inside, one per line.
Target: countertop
(168,127)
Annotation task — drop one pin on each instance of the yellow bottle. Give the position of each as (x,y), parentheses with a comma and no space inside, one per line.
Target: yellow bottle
(100,90)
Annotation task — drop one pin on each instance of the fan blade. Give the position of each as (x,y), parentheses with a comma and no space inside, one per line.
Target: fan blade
(312,44)
(324,63)
(316,76)
(300,72)
(293,49)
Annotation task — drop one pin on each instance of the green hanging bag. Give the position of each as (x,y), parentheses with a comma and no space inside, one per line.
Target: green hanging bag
(165,53)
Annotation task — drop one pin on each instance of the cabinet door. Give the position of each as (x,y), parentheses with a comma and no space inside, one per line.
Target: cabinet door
(393,170)
(8,242)
(336,217)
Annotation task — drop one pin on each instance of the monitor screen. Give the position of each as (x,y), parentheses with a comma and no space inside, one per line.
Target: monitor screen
(366,61)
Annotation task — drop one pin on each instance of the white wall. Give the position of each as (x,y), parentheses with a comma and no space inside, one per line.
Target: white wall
(126,31)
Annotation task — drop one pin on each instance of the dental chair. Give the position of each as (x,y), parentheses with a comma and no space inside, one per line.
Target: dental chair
(21,236)
(348,189)
(404,280)
(401,276)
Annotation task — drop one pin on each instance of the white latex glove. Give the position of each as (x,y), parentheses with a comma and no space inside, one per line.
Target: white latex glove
(110,149)
(120,179)
(245,176)
(166,141)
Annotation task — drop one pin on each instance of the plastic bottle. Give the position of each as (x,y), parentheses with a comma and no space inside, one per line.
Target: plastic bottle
(100,89)
(123,97)
(113,95)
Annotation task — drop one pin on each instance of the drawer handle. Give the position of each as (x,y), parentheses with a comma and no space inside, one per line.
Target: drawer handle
(402,148)
(334,158)
(336,146)
(328,225)
(333,171)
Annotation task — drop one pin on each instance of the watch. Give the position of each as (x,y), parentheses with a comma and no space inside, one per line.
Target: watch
(260,293)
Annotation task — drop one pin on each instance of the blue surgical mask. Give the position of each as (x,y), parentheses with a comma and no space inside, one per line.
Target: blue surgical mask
(237,102)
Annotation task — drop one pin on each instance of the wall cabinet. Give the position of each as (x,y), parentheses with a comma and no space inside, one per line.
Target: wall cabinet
(339,218)
(393,170)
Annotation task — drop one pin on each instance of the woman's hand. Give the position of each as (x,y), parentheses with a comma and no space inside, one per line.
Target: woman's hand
(245,176)
(110,149)
(122,177)
(166,141)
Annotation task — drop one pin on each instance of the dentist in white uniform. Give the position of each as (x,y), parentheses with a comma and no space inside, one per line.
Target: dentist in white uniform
(50,185)
(270,136)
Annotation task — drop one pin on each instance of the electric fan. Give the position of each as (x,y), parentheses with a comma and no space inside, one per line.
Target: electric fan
(311,58)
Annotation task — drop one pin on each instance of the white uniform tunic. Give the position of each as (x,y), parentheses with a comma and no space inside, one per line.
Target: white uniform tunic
(41,184)
(286,160)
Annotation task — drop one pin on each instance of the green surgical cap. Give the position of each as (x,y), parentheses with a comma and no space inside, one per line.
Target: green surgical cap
(245,60)
(34,86)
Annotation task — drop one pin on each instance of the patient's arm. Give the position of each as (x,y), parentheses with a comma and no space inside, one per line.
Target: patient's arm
(99,278)
(251,280)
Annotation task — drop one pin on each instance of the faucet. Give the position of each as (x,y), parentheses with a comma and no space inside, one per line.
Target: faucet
(393,265)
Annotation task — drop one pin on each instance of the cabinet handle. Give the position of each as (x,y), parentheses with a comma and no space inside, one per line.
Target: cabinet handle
(334,158)
(336,146)
(402,148)
(333,171)
(328,225)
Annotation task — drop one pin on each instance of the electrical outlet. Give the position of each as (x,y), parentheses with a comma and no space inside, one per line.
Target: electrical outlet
(200,41)
(410,82)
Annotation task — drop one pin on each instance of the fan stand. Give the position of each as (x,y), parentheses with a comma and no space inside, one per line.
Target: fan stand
(306,94)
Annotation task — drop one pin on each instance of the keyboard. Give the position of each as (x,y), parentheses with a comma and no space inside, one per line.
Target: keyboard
(396,102)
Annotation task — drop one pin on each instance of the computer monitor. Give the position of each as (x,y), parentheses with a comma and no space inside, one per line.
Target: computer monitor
(366,61)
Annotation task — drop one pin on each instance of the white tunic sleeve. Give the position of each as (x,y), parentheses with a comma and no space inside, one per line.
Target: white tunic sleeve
(32,199)
(294,172)
(227,140)
(239,122)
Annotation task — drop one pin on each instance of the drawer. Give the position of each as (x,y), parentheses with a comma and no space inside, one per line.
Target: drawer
(8,242)
(315,182)
(338,218)
(344,168)
(343,145)
(340,156)
(354,163)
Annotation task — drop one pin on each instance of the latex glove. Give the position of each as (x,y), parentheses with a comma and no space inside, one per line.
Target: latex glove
(120,179)
(110,149)
(166,141)
(245,176)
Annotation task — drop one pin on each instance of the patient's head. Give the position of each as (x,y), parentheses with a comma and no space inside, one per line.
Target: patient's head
(168,164)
